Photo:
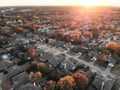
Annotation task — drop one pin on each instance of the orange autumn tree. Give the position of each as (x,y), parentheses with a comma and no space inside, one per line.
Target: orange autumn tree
(87,34)
(67,38)
(61,33)
(76,34)
(102,57)
(95,32)
(95,35)
(66,83)
(35,77)
(50,85)
(25,21)
(41,67)
(117,33)
(111,26)
(20,29)
(103,32)
(34,64)
(36,27)
(111,45)
(81,81)
(31,52)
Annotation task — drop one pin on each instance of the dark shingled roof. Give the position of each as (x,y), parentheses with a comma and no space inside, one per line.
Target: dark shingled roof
(82,50)
(20,80)
(5,64)
(97,83)
(101,84)
(45,56)
(109,84)
(14,70)
(68,65)
(55,61)
(30,87)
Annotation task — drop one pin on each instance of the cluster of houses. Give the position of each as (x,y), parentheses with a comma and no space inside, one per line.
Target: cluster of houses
(13,66)
(21,30)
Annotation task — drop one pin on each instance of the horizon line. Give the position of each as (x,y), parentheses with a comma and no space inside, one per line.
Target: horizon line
(58,6)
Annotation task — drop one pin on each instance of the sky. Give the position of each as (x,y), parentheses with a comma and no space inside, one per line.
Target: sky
(54,2)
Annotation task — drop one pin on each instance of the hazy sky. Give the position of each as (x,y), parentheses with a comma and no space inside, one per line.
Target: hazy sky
(54,2)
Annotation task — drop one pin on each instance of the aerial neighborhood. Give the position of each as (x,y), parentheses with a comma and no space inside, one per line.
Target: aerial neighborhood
(59,48)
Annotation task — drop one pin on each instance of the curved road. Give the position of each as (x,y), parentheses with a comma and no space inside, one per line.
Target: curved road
(98,70)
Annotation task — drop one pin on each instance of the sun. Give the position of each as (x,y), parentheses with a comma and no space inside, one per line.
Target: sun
(89,2)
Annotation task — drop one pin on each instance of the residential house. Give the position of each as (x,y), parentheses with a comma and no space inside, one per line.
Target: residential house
(19,80)
(3,51)
(101,84)
(13,71)
(5,64)
(29,86)
(93,55)
(52,42)
(60,43)
(55,61)
(67,46)
(68,65)
(88,73)
(44,56)
(111,62)
(80,49)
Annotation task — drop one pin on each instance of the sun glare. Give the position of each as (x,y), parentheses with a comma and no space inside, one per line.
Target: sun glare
(89,2)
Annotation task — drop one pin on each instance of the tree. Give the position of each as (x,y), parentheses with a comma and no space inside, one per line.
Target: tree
(117,33)
(102,57)
(31,52)
(61,35)
(103,32)
(35,77)
(50,85)
(94,29)
(41,67)
(76,34)
(66,83)
(36,27)
(87,34)
(95,35)
(34,64)
(19,29)
(81,81)
(111,26)
(25,22)
(67,38)
(111,45)
(106,51)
